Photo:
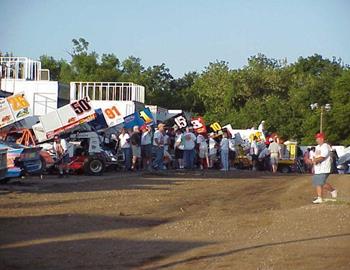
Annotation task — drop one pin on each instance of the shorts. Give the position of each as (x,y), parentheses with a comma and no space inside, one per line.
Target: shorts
(63,160)
(319,179)
(274,159)
(254,157)
(136,151)
(146,151)
(203,153)
(179,154)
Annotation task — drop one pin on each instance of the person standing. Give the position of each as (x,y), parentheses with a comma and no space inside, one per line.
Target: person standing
(146,147)
(254,152)
(264,159)
(158,144)
(62,156)
(322,168)
(167,160)
(124,139)
(232,151)
(135,140)
(179,149)
(224,149)
(213,146)
(203,151)
(189,151)
(311,157)
(275,154)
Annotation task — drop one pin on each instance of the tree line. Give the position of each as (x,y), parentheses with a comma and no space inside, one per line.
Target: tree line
(264,89)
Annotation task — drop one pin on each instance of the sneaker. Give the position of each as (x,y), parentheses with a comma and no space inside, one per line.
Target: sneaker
(334,194)
(317,200)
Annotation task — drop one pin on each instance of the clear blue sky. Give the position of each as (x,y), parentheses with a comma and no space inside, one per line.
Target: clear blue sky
(184,34)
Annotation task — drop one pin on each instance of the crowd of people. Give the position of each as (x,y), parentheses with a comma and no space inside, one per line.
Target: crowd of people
(174,148)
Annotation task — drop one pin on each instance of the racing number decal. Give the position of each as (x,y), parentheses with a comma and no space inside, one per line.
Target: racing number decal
(112,112)
(196,124)
(199,125)
(215,127)
(181,121)
(145,117)
(81,106)
(18,102)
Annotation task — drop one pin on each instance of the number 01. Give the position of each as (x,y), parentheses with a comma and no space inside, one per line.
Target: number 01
(112,112)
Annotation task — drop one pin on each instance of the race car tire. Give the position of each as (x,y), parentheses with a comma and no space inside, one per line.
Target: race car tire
(94,166)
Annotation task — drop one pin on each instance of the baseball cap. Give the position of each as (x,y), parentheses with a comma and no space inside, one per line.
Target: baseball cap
(320,135)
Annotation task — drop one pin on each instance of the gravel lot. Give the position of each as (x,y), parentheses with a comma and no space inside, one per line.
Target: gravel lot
(173,220)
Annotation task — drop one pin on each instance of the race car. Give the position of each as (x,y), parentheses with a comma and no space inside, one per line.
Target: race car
(22,160)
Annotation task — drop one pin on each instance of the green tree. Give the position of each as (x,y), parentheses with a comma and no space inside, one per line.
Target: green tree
(214,87)
(338,127)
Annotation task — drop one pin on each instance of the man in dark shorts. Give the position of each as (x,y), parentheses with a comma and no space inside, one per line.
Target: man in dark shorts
(135,141)
(146,147)
(322,168)
(179,152)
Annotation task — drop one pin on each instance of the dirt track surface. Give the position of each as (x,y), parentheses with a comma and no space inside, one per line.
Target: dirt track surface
(237,220)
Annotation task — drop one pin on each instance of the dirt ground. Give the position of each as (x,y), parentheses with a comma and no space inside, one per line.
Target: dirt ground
(192,220)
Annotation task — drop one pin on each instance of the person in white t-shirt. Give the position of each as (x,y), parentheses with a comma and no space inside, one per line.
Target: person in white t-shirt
(179,148)
(158,145)
(275,154)
(62,156)
(224,149)
(189,145)
(213,145)
(254,152)
(203,152)
(146,147)
(322,168)
(124,139)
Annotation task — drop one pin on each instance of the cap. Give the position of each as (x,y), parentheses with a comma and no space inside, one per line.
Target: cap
(320,135)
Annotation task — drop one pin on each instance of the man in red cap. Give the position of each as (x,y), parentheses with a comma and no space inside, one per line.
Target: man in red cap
(322,168)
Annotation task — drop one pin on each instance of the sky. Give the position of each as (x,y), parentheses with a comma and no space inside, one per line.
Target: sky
(186,35)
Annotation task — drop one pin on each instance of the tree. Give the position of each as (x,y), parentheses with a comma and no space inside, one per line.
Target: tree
(48,62)
(214,87)
(338,126)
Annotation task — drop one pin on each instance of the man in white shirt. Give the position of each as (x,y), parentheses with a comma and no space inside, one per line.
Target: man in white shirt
(179,147)
(124,139)
(189,145)
(224,149)
(322,167)
(275,154)
(158,145)
(203,151)
(213,145)
(254,152)
(62,156)
(146,147)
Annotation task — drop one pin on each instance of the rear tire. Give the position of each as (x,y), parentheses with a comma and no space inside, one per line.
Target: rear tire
(285,169)
(94,166)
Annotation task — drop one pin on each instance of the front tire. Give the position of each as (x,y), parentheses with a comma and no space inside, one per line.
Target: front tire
(94,166)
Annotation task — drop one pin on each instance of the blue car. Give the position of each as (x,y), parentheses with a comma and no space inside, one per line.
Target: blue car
(21,159)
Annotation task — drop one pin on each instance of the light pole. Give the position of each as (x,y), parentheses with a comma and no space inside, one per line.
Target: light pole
(323,108)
